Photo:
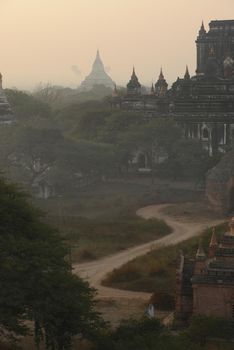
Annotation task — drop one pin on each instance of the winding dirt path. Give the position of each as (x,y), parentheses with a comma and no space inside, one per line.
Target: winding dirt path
(96,271)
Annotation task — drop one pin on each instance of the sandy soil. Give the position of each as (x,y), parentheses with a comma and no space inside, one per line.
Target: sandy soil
(116,304)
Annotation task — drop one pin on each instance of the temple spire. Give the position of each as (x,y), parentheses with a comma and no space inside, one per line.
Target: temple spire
(161,76)
(133,86)
(133,72)
(161,85)
(187,75)
(152,89)
(202,30)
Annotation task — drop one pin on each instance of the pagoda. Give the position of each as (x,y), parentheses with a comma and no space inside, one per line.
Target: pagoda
(205,284)
(98,76)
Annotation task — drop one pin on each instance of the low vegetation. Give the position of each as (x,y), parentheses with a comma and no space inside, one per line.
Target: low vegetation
(155,272)
(99,237)
(149,334)
(102,220)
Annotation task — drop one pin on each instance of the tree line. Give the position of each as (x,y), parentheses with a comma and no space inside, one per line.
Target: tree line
(81,143)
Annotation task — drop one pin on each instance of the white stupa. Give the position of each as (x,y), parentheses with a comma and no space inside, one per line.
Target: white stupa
(98,76)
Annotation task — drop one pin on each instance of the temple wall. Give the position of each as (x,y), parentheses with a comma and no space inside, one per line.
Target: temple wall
(221,303)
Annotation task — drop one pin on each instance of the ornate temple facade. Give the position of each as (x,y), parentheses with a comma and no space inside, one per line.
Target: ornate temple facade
(205,285)
(204,103)
(6,113)
(98,76)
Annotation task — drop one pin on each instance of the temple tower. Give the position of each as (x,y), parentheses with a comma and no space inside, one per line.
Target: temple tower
(133,86)
(219,39)
(161,85)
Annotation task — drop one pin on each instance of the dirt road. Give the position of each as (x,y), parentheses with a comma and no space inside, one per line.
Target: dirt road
(95,271)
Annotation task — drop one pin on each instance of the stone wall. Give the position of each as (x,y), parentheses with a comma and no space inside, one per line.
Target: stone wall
(220,305)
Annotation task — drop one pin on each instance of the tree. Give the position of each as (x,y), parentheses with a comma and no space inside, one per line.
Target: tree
(117,124)
(188,159)
(153,138)
(36,281)
(143,334)
(80,163)
(203,327)
(90,123)
(36,152)
(132,334)
(26,106)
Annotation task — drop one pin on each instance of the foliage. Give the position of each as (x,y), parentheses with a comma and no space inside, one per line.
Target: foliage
(36,151)
(203,327)
(36,281)
(43,155)
(143,334)
(187,159)
(69,115)
(126,133)
(26,105)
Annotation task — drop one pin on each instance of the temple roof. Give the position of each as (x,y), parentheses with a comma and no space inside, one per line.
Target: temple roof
(133,82)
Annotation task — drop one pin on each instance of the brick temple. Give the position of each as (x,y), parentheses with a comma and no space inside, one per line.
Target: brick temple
(205,284)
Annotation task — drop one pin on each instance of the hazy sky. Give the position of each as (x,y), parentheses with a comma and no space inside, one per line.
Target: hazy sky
(56,40)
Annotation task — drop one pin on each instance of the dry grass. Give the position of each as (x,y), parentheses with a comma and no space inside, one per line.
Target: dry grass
(155,271)
(93,238)
(102,220)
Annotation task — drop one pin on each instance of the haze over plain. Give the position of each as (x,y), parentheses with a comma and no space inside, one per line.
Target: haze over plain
(55,41)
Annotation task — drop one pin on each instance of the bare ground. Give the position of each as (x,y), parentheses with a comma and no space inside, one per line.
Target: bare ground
(122,303)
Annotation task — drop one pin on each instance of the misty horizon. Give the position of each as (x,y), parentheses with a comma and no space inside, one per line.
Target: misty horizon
(56,42)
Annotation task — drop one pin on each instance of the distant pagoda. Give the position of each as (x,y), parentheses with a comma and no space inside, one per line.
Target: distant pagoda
(98,76)
(6,113)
